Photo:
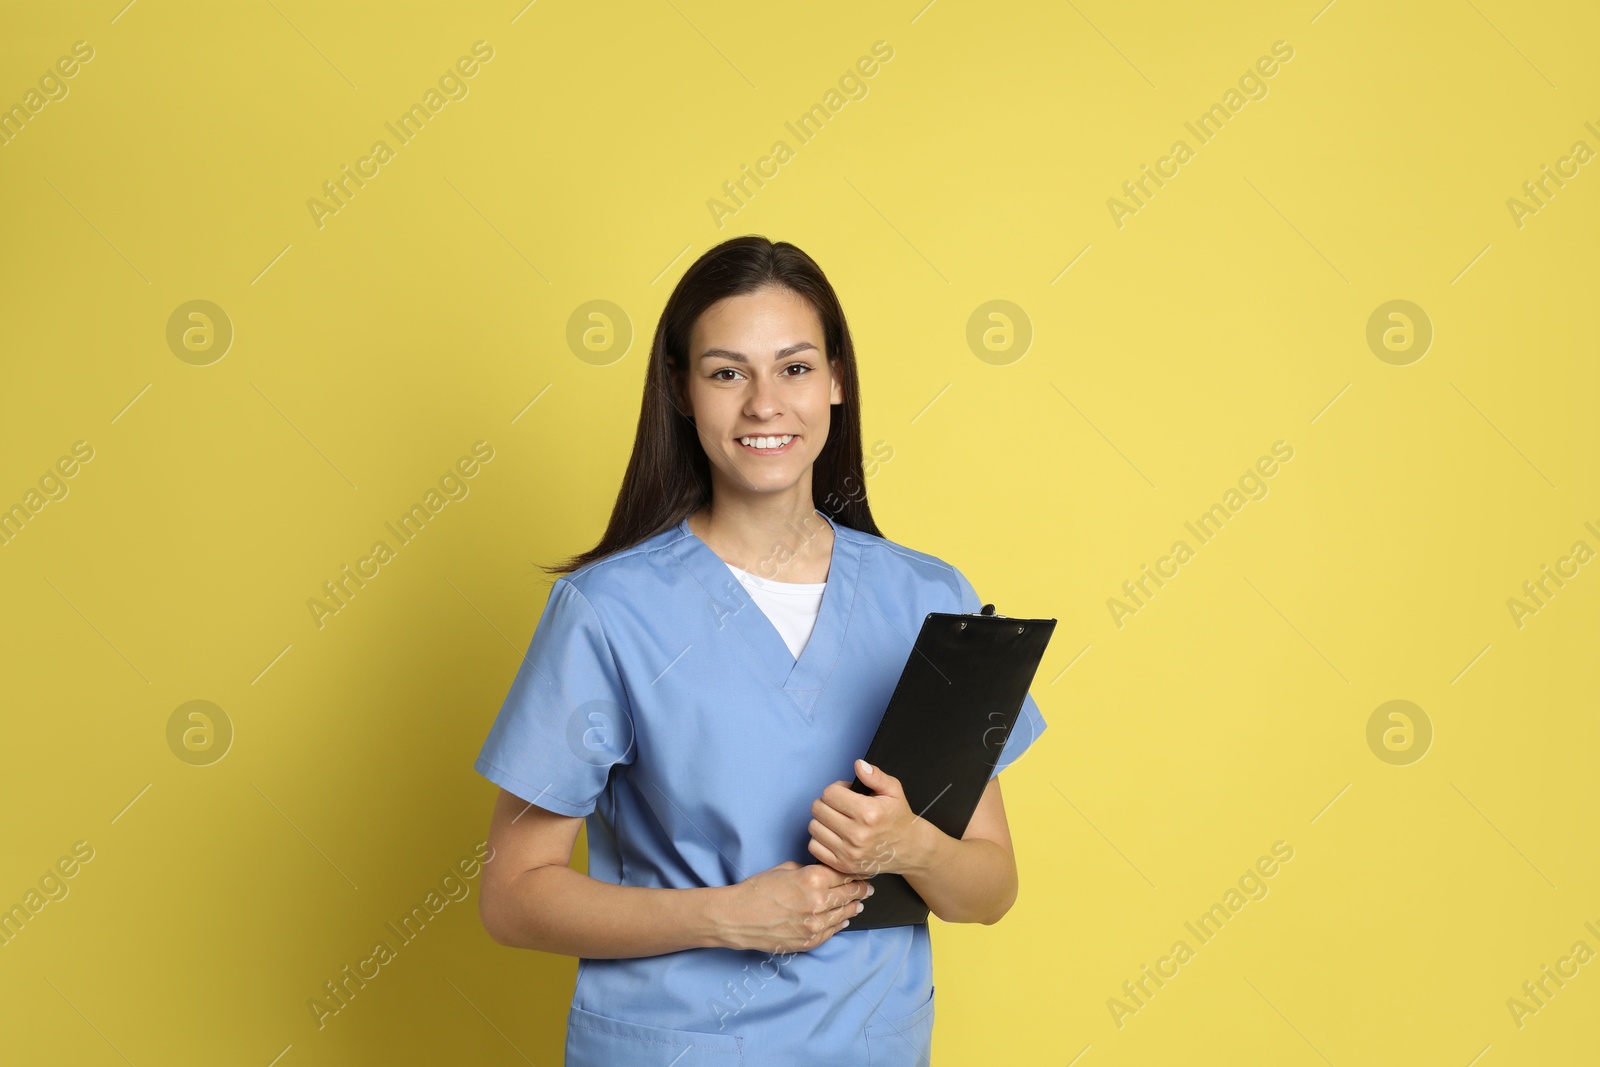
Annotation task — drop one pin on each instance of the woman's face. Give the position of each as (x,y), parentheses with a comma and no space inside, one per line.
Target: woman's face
(757,369)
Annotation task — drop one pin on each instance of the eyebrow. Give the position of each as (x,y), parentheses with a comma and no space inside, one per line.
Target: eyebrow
(739,357)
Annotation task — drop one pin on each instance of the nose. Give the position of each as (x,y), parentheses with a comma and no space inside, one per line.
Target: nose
(762,399)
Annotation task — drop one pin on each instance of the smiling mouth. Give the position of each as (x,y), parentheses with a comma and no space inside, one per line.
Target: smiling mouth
(777,443)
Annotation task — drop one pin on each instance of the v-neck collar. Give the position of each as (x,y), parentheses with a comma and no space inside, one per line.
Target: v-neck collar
(803,679)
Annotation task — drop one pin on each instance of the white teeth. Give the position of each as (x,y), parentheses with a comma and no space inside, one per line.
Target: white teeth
(767,442)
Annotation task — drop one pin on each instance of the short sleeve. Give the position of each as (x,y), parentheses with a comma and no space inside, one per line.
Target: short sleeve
(566,720)
(1030,723)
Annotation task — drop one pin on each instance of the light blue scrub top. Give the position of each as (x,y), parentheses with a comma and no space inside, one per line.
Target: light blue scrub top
(658,701)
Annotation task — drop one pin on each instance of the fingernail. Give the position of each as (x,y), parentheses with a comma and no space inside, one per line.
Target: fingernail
(844,924)
(871,889)
(859,907)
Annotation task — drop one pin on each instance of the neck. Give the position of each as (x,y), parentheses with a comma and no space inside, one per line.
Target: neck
(783,543)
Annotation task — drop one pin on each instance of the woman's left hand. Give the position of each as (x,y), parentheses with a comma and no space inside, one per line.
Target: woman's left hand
(867,835)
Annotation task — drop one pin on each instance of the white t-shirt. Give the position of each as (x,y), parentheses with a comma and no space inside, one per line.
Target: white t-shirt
(792,606)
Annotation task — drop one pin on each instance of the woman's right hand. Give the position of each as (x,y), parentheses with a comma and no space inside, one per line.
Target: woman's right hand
(788,908)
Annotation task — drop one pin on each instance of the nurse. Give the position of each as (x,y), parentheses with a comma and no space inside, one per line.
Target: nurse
(698,692)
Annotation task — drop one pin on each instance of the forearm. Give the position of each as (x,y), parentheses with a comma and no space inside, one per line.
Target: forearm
(557,909)
(962,880)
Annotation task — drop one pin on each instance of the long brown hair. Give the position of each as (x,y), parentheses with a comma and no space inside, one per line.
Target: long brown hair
(669,474)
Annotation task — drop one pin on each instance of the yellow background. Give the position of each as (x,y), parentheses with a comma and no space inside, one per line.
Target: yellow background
(1229,313)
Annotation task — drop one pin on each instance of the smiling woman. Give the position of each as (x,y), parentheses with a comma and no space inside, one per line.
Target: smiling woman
(761,417)
(702,721)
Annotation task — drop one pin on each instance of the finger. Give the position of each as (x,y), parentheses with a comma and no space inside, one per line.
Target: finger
(845,895)
(828,837)
(842,798)
(826,858)
(827,923)
(811,930)
(842,914)
(800,939)
(849,914)
(879,780)
(833,875)
(834,818)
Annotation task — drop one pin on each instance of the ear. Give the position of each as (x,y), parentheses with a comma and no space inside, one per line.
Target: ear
(836,394)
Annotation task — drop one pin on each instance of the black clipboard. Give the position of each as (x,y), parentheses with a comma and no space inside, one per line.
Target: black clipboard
(957,700)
